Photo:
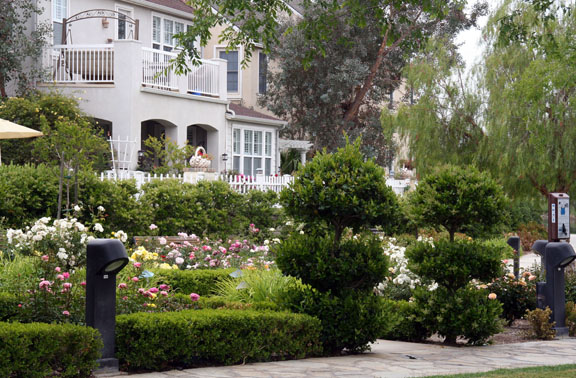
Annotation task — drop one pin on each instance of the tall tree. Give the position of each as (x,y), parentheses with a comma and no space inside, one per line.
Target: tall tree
(21,43)
(338,66)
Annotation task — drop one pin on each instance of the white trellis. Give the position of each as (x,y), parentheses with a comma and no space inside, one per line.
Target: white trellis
(122,151)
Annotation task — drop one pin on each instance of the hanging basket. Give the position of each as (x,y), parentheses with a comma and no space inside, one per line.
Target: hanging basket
(199,159)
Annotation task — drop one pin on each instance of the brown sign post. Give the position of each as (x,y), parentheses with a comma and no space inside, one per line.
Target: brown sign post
(558,217)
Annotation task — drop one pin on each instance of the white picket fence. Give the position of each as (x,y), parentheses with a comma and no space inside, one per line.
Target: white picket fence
(240,183)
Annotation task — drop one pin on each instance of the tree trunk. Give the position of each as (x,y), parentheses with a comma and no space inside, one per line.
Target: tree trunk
(76,184)
(3,86)
(60,187)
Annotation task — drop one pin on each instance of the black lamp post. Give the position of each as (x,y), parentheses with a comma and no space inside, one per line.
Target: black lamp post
(539,247)
(514,242)
(558,255)
(105,258)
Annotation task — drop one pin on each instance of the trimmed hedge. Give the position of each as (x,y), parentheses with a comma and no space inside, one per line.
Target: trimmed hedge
(221,303)
(202,281)
(159,341)
(41,350)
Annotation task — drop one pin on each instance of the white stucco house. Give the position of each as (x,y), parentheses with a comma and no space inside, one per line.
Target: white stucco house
(115,54)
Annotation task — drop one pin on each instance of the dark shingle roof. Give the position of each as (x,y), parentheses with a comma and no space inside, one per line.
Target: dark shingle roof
(174,4)
(240,110)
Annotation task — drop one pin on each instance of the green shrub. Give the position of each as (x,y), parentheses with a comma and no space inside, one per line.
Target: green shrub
(40,350)
(350,320)
(466,312)
(529,233)
(521,212)
(221,206)
(516,295)
(454,264)
(8,306)
(28,193)
(343,190)
(319,261)
(401,322)
(202,282)
(459,200)
(540,326)
(260,208)
(221,303)
(570,287)
(199,337)
(571,318)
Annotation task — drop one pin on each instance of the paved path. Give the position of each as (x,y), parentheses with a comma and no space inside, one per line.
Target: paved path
(396,359)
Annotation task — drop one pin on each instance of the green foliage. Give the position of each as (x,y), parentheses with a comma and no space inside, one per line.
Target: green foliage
(541,327)
(28,193)
(350,319)
(401,321)
(465,312)
(316,259)
(8,307)
(460,200)
(342,190)
(523,212)
(260,208)
(195,338)
(289,161)
(570,287)
(202,282)
(516,296)
(453,264)
(257,286)
(571,318)
(41,350)
(165,156)
(530,232)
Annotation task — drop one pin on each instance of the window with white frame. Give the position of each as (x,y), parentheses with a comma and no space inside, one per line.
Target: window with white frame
(255,156)
(262,71)
(163,31)
(233,70)
(122,28)
(59,12)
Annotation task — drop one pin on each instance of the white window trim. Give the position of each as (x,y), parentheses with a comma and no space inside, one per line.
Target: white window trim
(242,155)
(233,95)
(162,18)
(130,10)
(60,20)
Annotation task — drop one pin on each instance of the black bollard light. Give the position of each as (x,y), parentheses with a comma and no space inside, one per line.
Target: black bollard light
(539,247)
(558,255)
(514,242)
(104,259)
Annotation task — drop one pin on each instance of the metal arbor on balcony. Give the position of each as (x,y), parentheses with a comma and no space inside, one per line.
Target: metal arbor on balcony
(132,25)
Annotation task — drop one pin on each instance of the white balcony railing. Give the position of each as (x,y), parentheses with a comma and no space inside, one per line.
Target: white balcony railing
(80,63)
(157,70)
(204,79)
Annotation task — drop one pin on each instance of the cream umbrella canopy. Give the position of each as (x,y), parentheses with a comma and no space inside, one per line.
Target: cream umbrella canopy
(10,130)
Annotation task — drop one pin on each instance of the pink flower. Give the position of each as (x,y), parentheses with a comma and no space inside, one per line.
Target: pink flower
(83,283)
(194,297)
(153,290)
(141,291)
(206,248)
(44,284)
(153,226)
(135,279)
(213,263)
(137,265)
(164,293)
(20,305)
(45,258)
(492,296)
(192,256)
(60,277)
(57,269)
(164,287)
(162,241)
(124,298)
(65,313)
(66,275)
(122,286)
(67,285)
(532,278)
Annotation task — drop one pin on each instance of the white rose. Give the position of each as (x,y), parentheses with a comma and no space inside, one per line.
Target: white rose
(77,208)
(101,208)
(98,227)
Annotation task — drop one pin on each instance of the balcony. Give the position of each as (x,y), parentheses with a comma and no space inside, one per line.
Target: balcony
(101,64)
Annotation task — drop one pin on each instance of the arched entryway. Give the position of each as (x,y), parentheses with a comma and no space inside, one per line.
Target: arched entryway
(160,130)
(104,126)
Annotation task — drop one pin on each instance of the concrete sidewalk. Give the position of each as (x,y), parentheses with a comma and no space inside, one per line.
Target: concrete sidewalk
(396,359)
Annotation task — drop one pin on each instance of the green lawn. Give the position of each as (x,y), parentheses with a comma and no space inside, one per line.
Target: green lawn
(560,371)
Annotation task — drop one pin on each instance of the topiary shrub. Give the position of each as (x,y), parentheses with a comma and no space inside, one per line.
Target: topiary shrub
(401,321)
(158,341)
(42,350)
(329,194)
(459,200)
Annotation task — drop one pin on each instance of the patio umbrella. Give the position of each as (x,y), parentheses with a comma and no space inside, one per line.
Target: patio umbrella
(10,130)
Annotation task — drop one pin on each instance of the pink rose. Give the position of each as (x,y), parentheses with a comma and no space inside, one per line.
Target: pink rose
(135,279)
(164,287)
(83,283)
(194,297)
(137,265)
(153,226)
(57,269)
(141,291)
(124,298)
(45,258)
(162,241)
(164,293)
(153,290)
(66,275)
(67,285)
(122,286)
(65,313)
(60,277)
(45,284)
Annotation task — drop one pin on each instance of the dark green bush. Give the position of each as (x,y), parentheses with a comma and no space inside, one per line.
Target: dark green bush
(350,320)
(223,304)
(199,337)
(343,190)
(28,193)
(454,264)
(41,350)
(259,208)
(466,312)
(400,321)
(570,288)
(328,266)
(202,282)
(459,200)
(8,306)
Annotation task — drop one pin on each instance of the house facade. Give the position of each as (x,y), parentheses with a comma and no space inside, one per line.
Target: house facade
(115,56)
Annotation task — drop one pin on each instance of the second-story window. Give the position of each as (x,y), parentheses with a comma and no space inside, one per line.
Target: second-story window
(232,76)
(262,70)
(123,30)
(163,32)
(156,32)
(59,12)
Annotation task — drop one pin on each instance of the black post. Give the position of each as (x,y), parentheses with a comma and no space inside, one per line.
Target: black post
(514,242)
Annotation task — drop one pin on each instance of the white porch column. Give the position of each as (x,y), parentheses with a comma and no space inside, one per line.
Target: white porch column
(303,157)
